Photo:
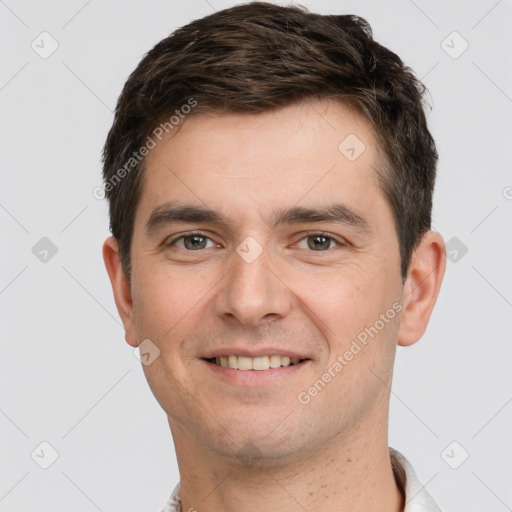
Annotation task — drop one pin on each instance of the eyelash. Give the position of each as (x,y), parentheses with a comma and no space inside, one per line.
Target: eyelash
(339,242)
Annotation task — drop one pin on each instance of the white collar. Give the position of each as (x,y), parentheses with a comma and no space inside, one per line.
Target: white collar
(416,497)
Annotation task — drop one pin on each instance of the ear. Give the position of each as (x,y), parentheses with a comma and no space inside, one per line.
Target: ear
(121,288)
(421,287)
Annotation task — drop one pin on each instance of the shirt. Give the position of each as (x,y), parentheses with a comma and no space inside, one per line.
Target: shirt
(416,497)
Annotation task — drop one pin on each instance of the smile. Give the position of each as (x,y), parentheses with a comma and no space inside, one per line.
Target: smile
(254,363)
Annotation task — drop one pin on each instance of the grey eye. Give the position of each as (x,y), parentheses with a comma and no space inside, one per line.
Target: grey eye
(319,242)
(192,242)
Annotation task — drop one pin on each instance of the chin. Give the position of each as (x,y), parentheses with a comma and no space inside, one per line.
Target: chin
(259,444)
(260,454)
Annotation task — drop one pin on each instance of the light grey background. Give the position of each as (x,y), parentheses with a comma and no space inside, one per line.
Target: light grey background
(67,375)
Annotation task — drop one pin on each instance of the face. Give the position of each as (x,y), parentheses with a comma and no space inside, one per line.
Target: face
(289,250)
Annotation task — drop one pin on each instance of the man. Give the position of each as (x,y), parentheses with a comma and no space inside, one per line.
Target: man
(270,174)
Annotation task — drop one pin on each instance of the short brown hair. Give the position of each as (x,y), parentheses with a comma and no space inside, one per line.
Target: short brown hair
(258,57)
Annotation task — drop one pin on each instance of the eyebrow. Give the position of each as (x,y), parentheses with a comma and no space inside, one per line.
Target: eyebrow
(171,213)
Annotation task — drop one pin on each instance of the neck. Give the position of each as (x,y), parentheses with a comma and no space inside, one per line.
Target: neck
(349,473)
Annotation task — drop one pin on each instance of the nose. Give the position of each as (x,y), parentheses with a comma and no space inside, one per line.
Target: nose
(253,292)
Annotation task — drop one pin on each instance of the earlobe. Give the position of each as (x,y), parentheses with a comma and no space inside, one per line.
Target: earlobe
(421,288)
(120,287)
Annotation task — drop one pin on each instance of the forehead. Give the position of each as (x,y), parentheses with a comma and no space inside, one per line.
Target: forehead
(324,123)
(305,153)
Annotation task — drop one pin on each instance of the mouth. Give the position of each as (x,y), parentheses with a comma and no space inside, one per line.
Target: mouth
(262,363)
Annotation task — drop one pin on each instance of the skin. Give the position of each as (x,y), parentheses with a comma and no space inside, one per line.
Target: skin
(251,446)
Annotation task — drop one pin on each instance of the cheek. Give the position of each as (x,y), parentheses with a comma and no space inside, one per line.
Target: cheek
(169,303)
(158,302)
(344,300)
(346,307)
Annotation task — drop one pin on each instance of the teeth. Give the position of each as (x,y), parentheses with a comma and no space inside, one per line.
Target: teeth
(260,363)
(244,363)
(256,363)
(233,362)
(275,361)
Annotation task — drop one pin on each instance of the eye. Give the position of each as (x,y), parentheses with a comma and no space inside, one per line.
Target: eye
(320,242)
(191,242)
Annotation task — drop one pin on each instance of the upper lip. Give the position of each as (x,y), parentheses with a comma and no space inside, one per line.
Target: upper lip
(228,351)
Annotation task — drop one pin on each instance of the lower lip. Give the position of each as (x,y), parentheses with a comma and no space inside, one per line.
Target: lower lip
(254,377)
